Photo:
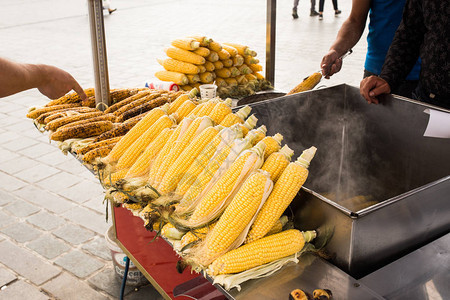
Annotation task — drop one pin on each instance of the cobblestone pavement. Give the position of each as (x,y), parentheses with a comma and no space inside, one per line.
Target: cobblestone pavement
(52,220)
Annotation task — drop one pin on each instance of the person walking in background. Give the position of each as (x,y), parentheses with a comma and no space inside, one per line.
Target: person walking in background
(335,6)
(312,13)
(384,18)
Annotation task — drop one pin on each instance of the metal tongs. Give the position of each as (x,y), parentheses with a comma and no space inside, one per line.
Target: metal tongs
(350,51)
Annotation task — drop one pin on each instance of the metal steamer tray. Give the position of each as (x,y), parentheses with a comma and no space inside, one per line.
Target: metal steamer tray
(377,185)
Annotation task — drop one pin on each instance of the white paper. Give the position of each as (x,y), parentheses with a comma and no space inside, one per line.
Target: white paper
(438,124)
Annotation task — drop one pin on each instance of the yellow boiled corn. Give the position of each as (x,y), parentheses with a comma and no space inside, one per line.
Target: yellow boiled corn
(273,144)
(177,103)
(284,191)
(220,110)
(177,77)
(174,65)
(184,55)
(277,162)
(186,43)
(184,110)
(238,117)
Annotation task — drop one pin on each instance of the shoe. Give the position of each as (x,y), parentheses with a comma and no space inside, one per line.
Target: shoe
(320,16)
(337,12)
(112,10)
(313,13)
(294,14)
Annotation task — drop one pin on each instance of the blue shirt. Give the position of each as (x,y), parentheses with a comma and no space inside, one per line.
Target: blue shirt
(385,16)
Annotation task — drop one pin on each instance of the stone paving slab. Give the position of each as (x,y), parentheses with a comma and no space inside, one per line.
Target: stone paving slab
(20,290)
(79,263)
(87,218)
(98,247)
(17,164)
(46,221)
(21,209)
(21,232)
(6,276)
(48,246)
(44,199)
(73,234)
(6,219)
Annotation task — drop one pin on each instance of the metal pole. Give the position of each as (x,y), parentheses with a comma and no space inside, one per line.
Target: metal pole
(270,40)
(98,42)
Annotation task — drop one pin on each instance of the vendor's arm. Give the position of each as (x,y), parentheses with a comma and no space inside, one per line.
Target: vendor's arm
(51,81)
(347,37)
(405,48)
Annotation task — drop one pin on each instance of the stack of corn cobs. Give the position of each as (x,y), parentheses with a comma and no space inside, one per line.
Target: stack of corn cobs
(200,60)
(201,175)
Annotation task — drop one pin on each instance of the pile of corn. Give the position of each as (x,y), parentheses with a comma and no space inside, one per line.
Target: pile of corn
(213,185)
(197,60)
(79,127)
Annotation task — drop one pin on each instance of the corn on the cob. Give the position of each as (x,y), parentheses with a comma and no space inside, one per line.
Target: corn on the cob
(144,107)
(144,162)
(223,73)
(194,129)
(118,95)
(259,76)
(206,77)
(255,67)
(231,50)
(260,133)
(101,151)
(184,55)
(196,235)
(128,100)
(262,251)
(186,43)
(178,169)
(193,79)
(213,56)
(209,66)
(307,84)
(232,227)
(134,133)
(231,81)
(187,87)
(241,49)
(88,102)
(116,176)
(251,77)
(278,226)
(184,110)
(277,162)
(55,124)
(220,82)
(238,117)
(220,110)
(215,46)
(174,65)
(52,115)
(203,40)
(241,79)
(218,65)
(202,68)
(249,124)
(223,54)
(39,111)
(169,231)
(273,144)
(238,60)
(82,131)
(138,146)
(202,51)
(284,191)
(70,98)
(227,63)
(177,103)
(160,158)
(213,203)
(178,78)
(118,131)
(87,148)
(102,117)
(244,69)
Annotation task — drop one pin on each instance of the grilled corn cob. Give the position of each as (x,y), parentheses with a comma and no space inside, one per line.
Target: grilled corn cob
(307,84)
(82,131)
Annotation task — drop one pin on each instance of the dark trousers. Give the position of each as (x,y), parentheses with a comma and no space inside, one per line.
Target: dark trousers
(321,3)
(405,89)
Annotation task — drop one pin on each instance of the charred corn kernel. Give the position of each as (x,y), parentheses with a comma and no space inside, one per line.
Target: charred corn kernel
(169,231)
(226,184)
(178,169)
(70,98)
(82,131)
(262,251)
(284,191)
(138,146)
(231,50)
(231,81)
(128,100)
(273,144)
(118,95)
(157,98)
(250,77)
(86,149)
(227,63)
(220,110)
(196,234)
(213,56)
(255,67)
(202,51)
(100,117)
(174,65)
(39,111)
(186,43)
(134,133)
(194,129)
(206,77)
(241,49)
(184,110)
(238,60)
(223,54)
(178,78)
(218,65)
(237,216)
(142,165)
(277,162)
(203,40)
(184,55)
(220,82)
(177,103)
(215,46)
(97,152)
(118,131)
(249,124)
(179,130)
(238,117)
(307,84)
(223,73)
(61,113)
(209,66)
(278,226)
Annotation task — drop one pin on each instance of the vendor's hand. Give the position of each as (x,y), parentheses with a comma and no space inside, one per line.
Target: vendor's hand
(56,83)
(331,64)
(373,86)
